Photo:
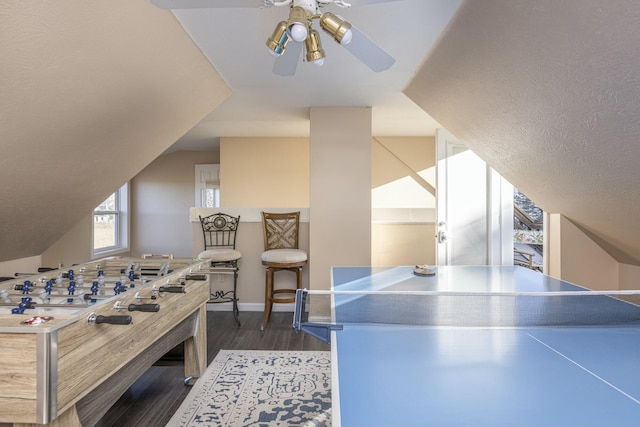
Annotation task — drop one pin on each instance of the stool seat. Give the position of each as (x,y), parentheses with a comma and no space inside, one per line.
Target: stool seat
(220,255)
(284,256)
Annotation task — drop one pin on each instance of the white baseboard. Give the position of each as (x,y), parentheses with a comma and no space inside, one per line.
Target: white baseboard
(226,306)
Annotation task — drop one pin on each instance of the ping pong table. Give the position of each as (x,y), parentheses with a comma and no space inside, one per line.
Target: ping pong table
(487,362)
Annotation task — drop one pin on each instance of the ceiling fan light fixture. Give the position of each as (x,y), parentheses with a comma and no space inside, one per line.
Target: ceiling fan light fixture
(277,43)
(315,53)
(298,24)
(337,27)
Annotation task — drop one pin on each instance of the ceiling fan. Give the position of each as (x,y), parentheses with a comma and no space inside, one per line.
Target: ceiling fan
(297,31)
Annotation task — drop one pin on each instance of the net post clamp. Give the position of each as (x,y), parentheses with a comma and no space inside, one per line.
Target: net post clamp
(321,331)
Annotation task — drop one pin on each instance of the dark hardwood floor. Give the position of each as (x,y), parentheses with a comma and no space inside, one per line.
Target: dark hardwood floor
(152,399)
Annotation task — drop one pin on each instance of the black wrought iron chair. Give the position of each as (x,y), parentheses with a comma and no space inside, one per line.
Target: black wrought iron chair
(219,231)
(281,252)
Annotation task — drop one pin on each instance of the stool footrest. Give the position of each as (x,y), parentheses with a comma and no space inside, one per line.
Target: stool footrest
(283,300)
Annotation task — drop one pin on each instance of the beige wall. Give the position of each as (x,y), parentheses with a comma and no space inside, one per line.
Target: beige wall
(576,258)
(161,196)
(264,172)
(572,256)
(21,265)
(629,277)
(248,163)
(392,157)
(261,174)
(551,250)
(92,92)
(402,244)
(340,191)
(74,247)
(403,229)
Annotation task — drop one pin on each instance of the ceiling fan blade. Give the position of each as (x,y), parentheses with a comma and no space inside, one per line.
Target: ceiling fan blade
(372,55)
(206,4)
(286,64)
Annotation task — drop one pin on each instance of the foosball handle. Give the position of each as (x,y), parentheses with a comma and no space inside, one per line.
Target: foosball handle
(200,277)
(111,320)
(172,289)
(144,307)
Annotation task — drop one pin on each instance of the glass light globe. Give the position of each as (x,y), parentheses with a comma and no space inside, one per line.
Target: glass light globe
(318,62)
(346,38)
(298,32)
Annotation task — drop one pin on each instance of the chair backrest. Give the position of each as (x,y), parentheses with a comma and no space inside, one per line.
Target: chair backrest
(219,230)
(280,230)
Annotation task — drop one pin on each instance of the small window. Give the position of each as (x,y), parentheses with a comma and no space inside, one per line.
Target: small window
(207,186)
(110,224)
(212,196)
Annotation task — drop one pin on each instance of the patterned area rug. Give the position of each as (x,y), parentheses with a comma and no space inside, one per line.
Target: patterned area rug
(260,388)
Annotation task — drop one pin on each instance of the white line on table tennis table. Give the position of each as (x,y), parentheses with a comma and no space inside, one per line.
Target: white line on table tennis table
(586,370)
(372,283)
(378,280)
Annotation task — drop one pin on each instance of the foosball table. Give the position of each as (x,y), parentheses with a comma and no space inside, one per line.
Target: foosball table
(72,341)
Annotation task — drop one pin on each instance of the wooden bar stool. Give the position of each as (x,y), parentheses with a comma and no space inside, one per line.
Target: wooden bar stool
(281,252)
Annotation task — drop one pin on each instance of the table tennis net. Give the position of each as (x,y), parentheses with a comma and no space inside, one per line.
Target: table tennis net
(567,308)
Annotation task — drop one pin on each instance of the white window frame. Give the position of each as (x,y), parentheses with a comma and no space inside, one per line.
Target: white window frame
(207,182)
(212,194)
(121,213)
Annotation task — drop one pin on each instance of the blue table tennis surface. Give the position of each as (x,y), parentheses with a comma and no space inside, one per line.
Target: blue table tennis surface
(411,375)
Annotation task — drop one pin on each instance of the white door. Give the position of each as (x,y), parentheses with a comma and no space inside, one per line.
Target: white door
(474,208)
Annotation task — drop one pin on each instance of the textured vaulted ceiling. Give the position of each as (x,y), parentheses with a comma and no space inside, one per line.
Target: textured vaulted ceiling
(548,93)
(91,92)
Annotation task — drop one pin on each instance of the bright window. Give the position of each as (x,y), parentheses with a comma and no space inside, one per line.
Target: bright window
(212,196)
(207,186)
(110,224)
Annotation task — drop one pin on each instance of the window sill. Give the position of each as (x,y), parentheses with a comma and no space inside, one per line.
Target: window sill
(110,252)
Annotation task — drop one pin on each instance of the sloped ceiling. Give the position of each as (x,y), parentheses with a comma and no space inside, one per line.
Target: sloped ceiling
(92,92)
(548,93)
(265,104)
